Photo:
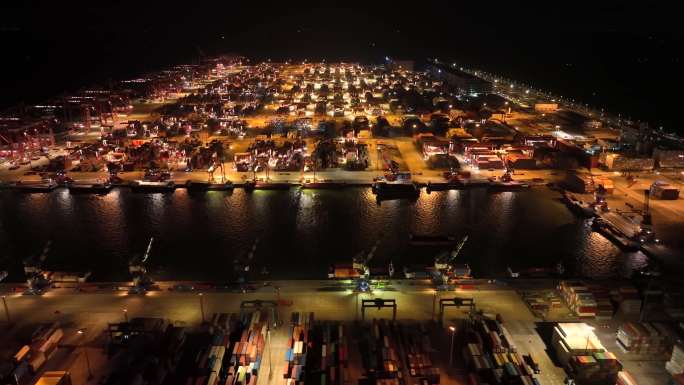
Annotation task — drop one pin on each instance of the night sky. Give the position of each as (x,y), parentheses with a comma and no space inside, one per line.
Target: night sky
(623,58)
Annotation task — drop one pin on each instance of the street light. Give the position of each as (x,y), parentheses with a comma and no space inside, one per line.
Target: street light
(81,332)
(451,349)
(125,312)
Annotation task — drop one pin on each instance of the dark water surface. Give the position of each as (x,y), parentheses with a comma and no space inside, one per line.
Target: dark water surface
(301,232)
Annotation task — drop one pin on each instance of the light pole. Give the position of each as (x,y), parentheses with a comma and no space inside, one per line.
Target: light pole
(81,332)
(4,303)
(125,312)
(451,349)
(270,356)
(201,300)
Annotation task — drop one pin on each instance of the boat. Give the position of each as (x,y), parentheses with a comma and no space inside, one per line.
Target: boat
(580,208)
(506,186)
(194,186)
(432,240)
(322,185)
(90,188)
(142,186)
(607,229)
(266,186)
(43,186)
(445,186)
(388,190)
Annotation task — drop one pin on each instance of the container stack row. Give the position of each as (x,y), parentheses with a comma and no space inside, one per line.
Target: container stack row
(492,357)
(247,351)
(379,346)
(417,347)
(595,369)
(328,357)
(604,305)
(211,359)
(232,353)
(578,298)
(294,368)
(628,299)
(31,358)
(653,338)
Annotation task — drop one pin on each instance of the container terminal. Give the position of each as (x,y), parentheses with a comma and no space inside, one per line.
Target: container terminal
(226,123)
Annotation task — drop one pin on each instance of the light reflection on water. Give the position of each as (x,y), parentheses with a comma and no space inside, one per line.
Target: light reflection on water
(301,231)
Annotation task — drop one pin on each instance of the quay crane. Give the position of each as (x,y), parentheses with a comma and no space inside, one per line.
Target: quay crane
(361,265)
(36,279)
(137,266)
(216,164)
(444,267)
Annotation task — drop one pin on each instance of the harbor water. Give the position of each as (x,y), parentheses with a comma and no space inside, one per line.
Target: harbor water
(301,233)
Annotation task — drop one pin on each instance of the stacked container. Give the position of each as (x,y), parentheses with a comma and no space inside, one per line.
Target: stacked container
(493,358)
(675,365)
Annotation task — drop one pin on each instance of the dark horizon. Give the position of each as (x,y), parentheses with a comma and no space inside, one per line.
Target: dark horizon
(612,56)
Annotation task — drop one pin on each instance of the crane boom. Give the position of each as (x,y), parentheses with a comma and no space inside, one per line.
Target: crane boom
(147,252)
(458,248)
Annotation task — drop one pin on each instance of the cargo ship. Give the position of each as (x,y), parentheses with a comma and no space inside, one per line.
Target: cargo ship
(43,186)
(194,186)
(142,186)
(388,190)
(90,188)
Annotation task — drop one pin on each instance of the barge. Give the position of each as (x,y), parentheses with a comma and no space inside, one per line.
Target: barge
(194,186)
(44,186)
(387,190)
(141,186)
(506,186)
(250,186)
(322,185)
(89,188)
